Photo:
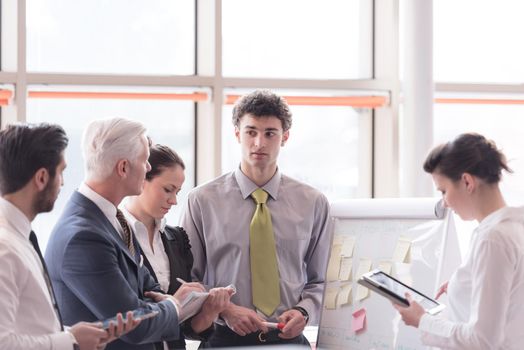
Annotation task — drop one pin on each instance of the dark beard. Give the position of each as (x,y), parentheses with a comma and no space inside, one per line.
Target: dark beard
(44,202)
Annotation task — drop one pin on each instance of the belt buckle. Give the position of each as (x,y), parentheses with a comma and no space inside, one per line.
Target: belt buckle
(262,337)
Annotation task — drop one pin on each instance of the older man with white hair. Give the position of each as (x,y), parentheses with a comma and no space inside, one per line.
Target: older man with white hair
(94,260)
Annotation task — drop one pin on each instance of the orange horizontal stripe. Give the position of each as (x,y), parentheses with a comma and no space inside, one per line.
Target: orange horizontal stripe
(195,96)
(480,101)
(352,101)
(4,102)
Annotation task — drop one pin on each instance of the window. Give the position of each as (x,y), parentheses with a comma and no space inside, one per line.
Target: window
(330,39)
(328,148)
(476,60)
(501,123)
(117,36)
(168,122)
(137,46)
(477,41)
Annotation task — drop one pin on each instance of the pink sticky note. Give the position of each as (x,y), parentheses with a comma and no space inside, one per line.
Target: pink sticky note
(359,320)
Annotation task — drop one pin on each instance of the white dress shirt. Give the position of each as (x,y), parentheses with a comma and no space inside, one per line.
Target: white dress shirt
(104,205)
(486,293)
(157,255)
(27,317)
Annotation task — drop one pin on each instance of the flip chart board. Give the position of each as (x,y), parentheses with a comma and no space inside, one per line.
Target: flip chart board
(414,239)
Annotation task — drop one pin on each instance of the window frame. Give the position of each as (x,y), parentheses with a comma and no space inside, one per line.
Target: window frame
(382,143)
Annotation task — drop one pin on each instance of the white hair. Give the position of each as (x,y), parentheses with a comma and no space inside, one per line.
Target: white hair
(107,141)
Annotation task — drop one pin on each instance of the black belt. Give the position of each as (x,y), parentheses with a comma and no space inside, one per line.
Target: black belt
(225,337)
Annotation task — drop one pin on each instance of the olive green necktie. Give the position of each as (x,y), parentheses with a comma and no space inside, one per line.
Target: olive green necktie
(265,282)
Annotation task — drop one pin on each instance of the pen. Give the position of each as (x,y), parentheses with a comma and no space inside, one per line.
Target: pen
(180,280)
(275,325)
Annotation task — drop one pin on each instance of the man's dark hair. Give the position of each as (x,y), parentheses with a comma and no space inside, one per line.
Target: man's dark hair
(25,148)
(263,103)
(162,157)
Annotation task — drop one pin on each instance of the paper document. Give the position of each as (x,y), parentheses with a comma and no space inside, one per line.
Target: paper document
(193,303)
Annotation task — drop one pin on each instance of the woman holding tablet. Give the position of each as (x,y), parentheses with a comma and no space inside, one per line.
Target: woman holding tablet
(486,293)
(165,249)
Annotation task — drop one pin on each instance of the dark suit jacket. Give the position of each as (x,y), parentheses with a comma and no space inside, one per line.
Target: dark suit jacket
(95,276)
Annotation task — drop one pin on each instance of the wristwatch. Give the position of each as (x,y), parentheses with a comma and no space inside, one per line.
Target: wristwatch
(302,311)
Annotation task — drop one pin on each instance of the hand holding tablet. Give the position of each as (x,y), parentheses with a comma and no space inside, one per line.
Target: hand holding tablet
(391,288)
(138,315)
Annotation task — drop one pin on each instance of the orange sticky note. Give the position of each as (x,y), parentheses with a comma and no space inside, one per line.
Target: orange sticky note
(359,320)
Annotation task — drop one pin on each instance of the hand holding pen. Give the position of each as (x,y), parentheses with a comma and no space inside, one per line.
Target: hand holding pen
(231,288)
(179,295)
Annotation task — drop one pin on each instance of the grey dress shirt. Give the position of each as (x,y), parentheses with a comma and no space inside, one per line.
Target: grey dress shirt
(217,218)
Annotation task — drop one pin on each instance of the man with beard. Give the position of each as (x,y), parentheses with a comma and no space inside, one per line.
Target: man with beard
(31,166)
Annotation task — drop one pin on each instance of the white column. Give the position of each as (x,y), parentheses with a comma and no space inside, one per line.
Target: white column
(386,69)
(209,114)
(11,51)
(416,130)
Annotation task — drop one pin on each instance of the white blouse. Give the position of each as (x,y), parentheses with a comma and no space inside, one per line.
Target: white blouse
(486,293)
(157,255)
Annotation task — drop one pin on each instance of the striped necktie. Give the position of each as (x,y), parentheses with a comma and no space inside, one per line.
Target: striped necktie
(128,235)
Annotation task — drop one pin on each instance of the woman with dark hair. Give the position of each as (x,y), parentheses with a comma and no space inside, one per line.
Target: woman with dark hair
(166,249)
(486,293)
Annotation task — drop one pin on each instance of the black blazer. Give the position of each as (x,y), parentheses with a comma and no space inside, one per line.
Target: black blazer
(178,250)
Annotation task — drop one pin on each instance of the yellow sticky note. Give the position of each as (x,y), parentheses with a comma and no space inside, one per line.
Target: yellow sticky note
(346,265)
(402,252)
(385,266)
(334,263)
(364,266)
(362,292)
(338,239)
(344,296)
(330,297)
(347,246)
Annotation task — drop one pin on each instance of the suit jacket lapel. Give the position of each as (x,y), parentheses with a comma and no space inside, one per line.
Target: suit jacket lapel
(99,217)
(148,265)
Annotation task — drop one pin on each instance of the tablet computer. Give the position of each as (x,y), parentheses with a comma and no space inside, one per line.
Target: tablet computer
(138,314)
(391,288)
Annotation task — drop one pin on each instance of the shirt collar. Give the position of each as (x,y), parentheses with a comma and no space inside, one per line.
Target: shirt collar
(247,186)
(134,222)
(15,218)
(105,206)
(495,217)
